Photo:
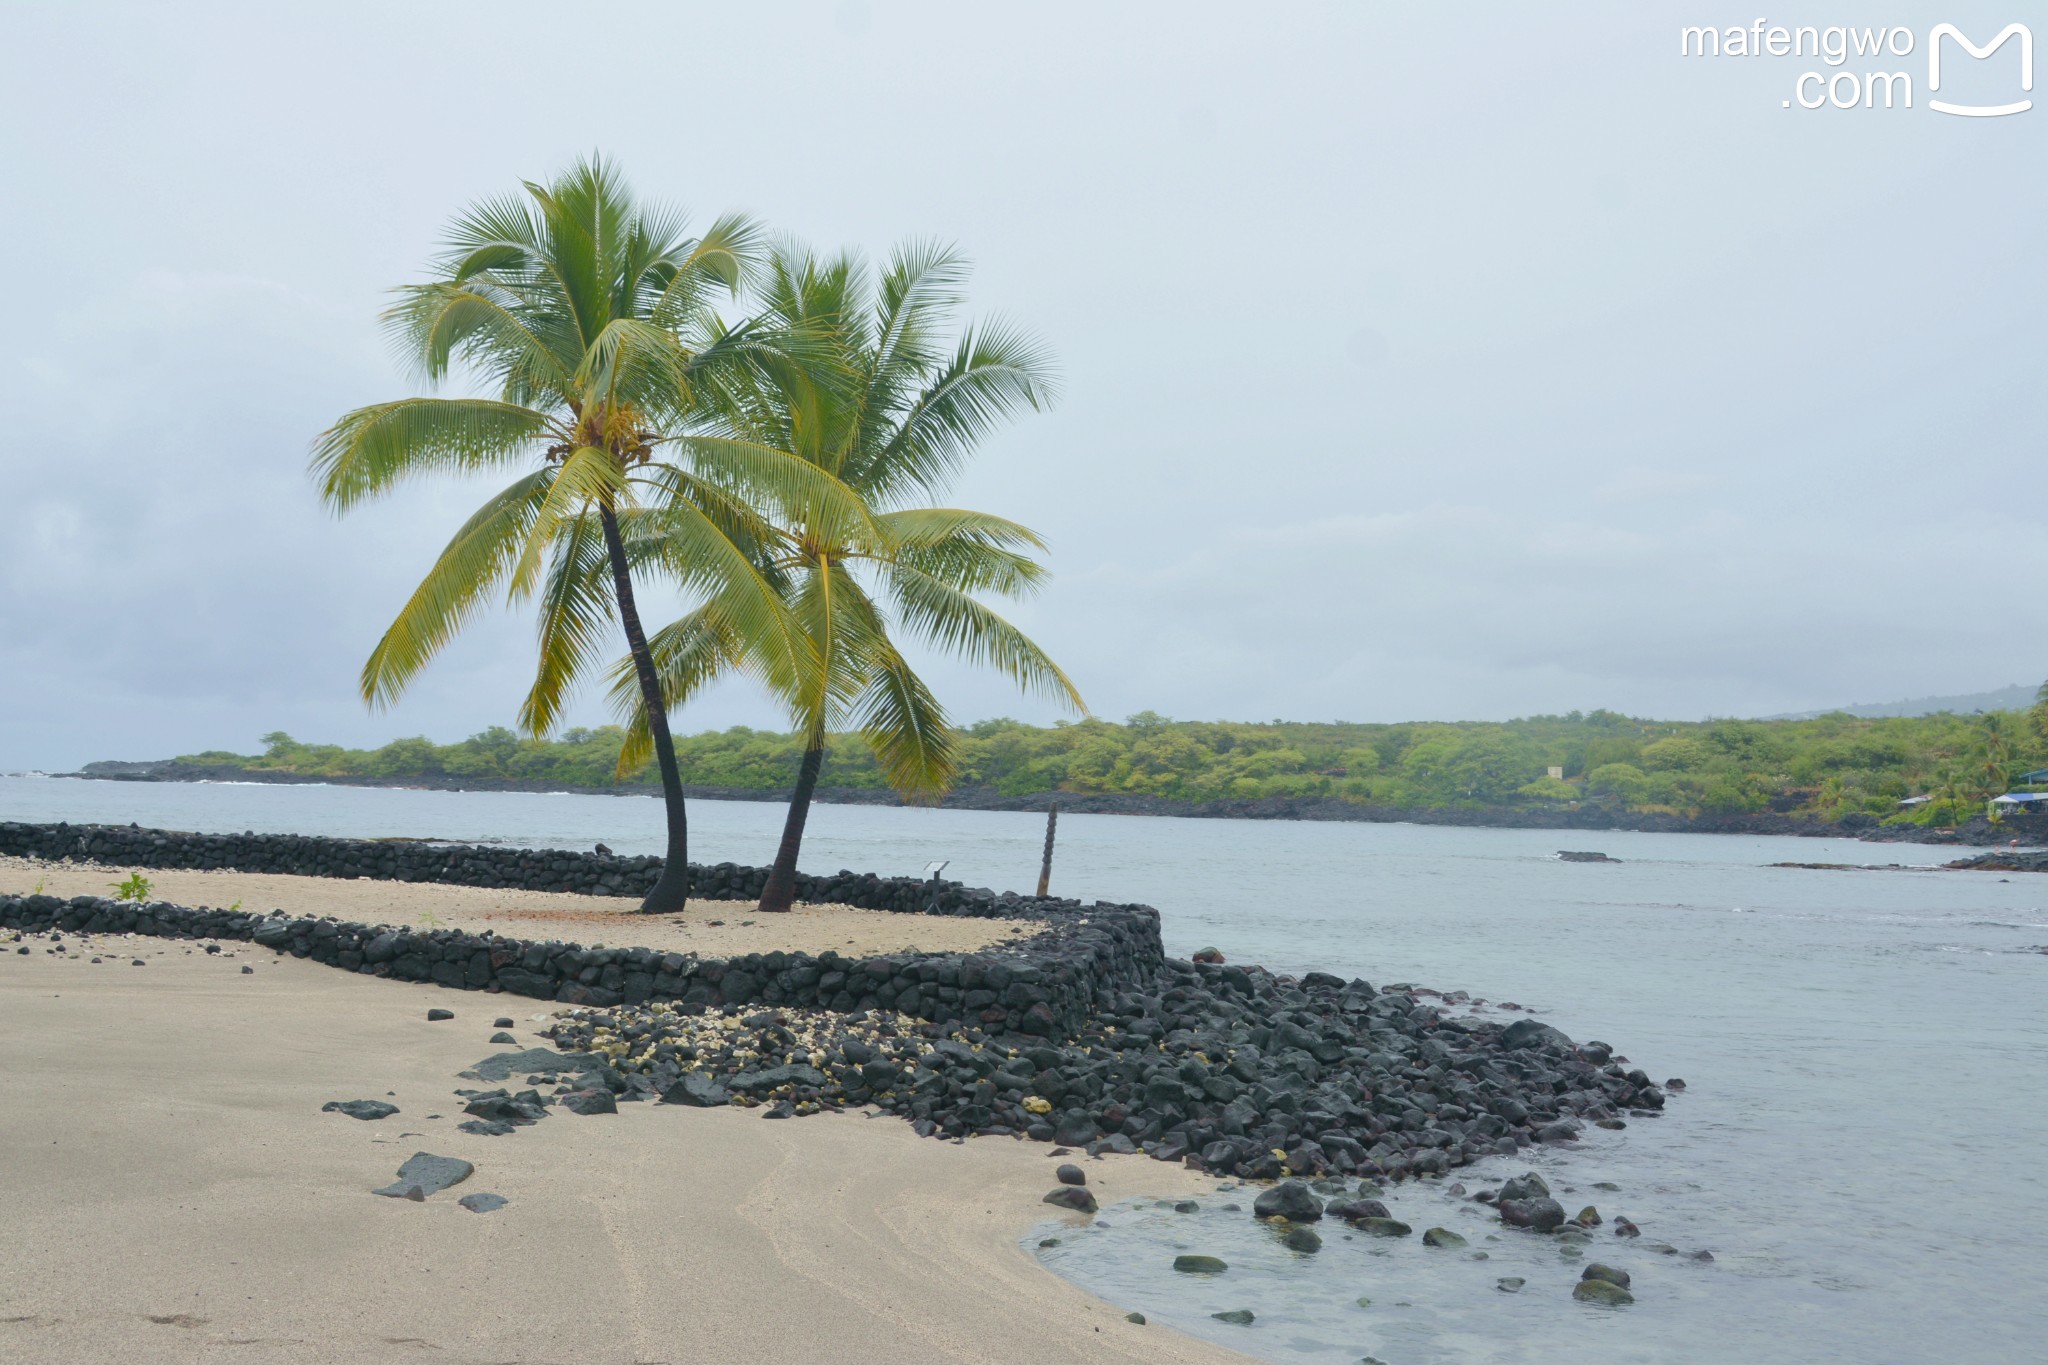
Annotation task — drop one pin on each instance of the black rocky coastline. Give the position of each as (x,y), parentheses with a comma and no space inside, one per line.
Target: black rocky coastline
(1085,1033)
(1978,831)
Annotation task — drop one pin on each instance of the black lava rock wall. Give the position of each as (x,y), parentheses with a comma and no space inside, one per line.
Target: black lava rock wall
(1045,985)
(410,860)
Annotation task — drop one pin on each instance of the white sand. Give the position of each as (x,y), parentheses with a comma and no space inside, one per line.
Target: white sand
(172,1192)
(588,920)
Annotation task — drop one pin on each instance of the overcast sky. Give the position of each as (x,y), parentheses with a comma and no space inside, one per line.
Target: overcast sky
(1418,364)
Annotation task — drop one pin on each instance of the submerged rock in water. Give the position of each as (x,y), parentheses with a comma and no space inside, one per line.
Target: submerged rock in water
(1200,1265)
(1612,1274)
(1600,1291)
(1382,1227)
(1510,1284)
(1243,1317)
(1302,1239)
(1528,1185)
(1544,1215)
(1442,1237)
(1290,1200)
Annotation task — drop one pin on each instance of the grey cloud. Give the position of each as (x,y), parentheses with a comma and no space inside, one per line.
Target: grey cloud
(1420,362)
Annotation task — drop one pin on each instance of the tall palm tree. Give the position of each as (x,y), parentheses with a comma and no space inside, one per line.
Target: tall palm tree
(905,405)
(592,319)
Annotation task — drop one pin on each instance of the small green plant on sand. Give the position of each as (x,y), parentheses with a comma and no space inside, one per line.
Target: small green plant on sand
(137,888)
(431,920)
(37,890)
(236,906)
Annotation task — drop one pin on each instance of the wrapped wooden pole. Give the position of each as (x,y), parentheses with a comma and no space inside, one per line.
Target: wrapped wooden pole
(1052,821)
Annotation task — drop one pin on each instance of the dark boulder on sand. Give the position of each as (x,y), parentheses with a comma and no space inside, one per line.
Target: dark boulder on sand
(1072,1197)
(591,1101)
(427,1174)
(697,1090)
(360,1109)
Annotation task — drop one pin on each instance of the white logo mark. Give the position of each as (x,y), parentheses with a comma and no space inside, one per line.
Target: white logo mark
(2026,38)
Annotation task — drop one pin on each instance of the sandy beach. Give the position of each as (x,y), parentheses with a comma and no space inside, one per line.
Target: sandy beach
(589,920)
(175,1193)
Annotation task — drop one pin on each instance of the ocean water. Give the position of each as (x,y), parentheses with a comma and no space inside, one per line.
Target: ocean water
(1866,1053)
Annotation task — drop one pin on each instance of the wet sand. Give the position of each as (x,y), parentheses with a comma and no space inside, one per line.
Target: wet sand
(173,1192)
(589,920)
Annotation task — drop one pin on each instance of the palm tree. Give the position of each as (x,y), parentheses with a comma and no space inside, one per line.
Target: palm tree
(904,408)
(592,318)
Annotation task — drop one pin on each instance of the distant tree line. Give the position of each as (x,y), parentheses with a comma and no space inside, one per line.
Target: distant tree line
(1826,768)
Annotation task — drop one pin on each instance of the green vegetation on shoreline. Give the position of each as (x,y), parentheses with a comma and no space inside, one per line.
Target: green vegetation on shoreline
(1824,768)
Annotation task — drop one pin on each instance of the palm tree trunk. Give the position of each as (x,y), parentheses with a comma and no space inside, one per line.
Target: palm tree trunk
(672,891)
(781,889)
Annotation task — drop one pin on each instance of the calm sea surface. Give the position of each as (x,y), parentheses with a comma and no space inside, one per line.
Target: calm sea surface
(1860,1148)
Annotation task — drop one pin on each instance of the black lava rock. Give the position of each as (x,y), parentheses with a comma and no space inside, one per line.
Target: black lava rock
(1290,1200)
(589,1102)
(427,1174)
(1072,1197)
(697,1090)
(360,1109)
(487,1127)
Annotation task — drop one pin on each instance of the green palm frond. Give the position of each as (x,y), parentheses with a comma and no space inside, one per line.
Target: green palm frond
(370,449)
(906,728)
(951,621)
(475,561)
(575,611)
(589,477)
(689,655)
(891,409)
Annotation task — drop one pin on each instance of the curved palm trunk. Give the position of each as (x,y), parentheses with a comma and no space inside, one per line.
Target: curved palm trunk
(672,890)
(780,892)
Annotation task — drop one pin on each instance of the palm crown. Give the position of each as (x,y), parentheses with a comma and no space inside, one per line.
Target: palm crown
(593,319)
(891,419)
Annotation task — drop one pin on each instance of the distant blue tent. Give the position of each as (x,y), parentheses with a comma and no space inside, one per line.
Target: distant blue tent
(2019,798)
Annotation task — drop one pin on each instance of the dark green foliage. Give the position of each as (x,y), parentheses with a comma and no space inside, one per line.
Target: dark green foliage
(1827,767)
